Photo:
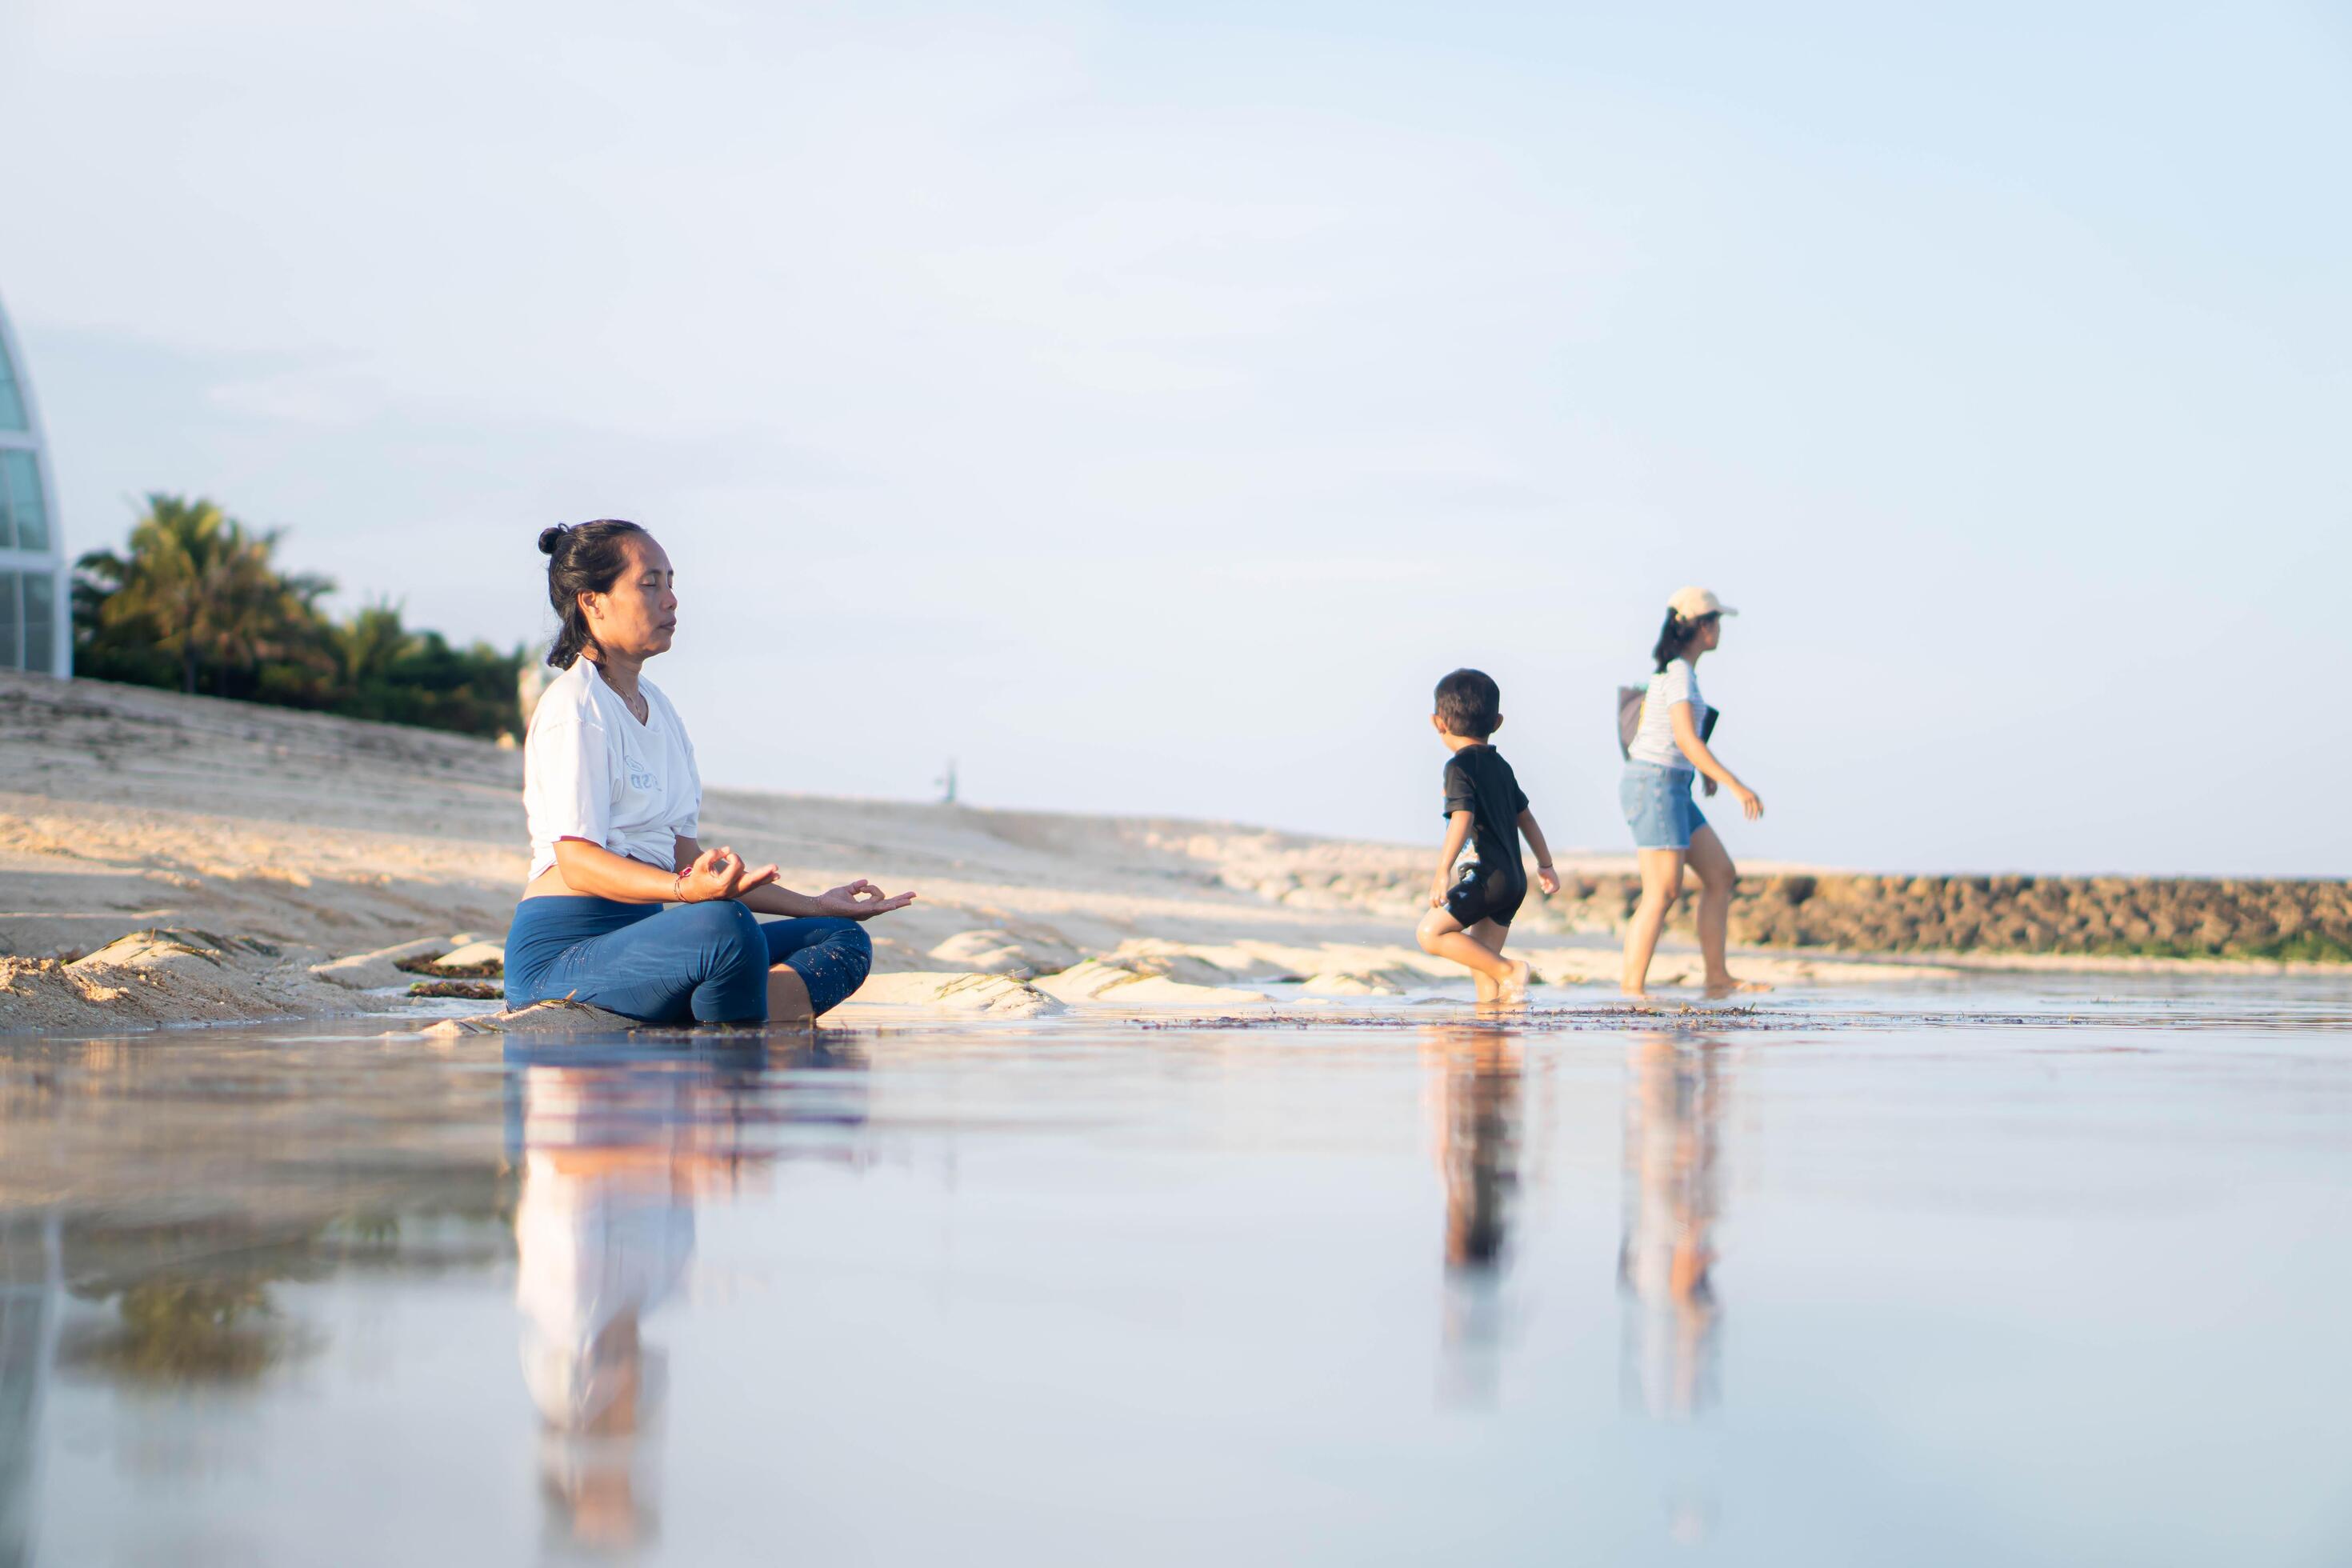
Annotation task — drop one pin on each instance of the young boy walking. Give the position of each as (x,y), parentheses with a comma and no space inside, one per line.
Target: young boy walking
(1469,916)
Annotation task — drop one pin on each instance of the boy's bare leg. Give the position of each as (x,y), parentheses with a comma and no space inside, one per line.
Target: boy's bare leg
(1441,936)
(788,999)
(1661,884)
(1491,935)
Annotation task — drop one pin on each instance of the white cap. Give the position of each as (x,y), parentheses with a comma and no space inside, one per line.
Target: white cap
(1690,604)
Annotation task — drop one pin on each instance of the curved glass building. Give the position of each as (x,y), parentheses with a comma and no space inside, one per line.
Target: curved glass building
(35,614)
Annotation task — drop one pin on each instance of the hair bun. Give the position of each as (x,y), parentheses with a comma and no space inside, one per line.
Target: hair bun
(549,538)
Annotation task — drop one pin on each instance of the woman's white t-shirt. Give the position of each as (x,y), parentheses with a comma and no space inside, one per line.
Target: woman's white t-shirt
(1653,743)
(590,771)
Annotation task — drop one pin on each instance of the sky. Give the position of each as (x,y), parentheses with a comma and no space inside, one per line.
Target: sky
(1144,405)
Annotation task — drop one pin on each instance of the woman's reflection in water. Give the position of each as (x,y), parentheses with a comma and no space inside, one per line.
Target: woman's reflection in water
(615,1147)
(1475,1077)
(32,1283)
(1672,1109)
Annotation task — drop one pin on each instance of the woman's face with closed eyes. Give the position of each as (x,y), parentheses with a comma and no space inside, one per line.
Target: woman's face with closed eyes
(637,617)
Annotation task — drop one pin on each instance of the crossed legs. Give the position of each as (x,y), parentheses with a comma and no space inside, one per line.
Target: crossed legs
(714,963)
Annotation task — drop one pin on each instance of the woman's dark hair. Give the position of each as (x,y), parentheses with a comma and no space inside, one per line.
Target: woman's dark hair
(1675,637)
(582,558)
(1469,704)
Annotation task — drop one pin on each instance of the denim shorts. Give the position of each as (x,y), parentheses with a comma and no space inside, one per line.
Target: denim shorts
(1658,804)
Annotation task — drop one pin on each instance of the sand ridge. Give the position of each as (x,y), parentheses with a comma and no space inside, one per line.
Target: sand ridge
(124,809)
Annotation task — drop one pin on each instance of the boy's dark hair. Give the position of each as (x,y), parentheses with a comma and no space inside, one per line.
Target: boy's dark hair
(1469,704)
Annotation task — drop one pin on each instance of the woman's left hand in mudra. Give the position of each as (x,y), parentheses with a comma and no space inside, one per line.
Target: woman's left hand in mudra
(860,900)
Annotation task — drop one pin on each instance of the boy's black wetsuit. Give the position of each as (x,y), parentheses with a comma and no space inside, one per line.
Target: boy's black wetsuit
(1479,781)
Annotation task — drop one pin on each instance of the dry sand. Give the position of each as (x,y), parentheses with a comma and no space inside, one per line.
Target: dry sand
(293,856)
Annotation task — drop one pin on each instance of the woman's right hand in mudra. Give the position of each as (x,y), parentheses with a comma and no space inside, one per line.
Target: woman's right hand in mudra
(860,900)
(720,874)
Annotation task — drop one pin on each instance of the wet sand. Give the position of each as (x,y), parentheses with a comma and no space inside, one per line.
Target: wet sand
(1984,1271)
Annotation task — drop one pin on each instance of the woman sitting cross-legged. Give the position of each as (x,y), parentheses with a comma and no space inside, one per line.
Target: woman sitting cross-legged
(625,909)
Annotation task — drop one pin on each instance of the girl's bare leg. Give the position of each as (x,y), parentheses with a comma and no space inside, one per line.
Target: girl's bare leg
(1661,884)
(1717,878)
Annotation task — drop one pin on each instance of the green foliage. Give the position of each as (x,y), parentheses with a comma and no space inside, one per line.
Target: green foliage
(2302,947)
(198,596)
(387,672)
(180,1329)
(2305,947)
(197,602)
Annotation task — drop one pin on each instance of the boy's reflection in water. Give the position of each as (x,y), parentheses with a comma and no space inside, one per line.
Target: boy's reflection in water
(1673,1109)
(615,1147)
(1476,1099)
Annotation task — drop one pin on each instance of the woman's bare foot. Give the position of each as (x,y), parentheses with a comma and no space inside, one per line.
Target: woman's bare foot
(1731,985)
(1513,988)
(1483,985)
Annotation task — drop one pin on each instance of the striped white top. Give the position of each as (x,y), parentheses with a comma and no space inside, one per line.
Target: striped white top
(1653,743)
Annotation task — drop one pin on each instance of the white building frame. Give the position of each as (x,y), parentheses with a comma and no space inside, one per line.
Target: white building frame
(52,560)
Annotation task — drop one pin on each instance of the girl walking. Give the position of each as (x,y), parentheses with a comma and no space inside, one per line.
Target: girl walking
(1663,760)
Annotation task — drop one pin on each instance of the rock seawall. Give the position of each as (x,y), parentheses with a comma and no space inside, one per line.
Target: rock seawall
(2091,917)
(2058,917)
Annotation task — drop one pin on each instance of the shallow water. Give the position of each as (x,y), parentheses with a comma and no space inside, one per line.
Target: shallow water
(2046,1271)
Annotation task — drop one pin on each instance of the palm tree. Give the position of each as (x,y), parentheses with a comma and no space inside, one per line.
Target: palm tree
(203,588)
(369,644)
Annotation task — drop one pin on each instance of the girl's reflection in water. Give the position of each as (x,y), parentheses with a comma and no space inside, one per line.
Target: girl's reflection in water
(1673,1113)
(615,1146)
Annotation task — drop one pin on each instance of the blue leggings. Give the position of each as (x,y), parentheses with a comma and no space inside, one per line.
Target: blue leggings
(665,964)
